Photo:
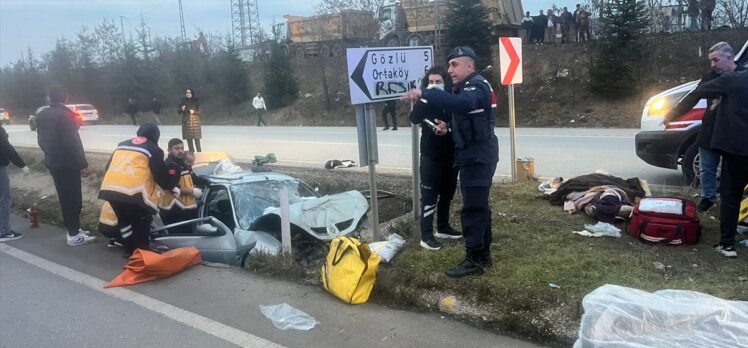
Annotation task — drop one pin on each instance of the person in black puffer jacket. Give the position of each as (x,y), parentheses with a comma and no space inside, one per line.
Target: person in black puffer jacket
(438,174)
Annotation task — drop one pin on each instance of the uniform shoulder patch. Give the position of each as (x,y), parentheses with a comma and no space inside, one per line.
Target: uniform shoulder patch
(139,140)
(172,171)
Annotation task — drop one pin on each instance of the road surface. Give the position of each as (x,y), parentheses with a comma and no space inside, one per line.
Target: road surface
(562,152)
(51,295)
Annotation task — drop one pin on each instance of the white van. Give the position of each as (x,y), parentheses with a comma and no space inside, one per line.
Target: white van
(674,145)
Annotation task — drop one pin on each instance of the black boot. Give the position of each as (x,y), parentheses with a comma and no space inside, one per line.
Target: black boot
(467,267)
(485,257)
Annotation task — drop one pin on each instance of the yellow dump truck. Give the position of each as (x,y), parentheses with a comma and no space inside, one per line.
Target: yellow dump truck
(422,22)
(326,35)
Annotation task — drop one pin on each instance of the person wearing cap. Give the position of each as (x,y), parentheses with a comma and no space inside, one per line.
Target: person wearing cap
(57,135)
(132,184)
(473,108)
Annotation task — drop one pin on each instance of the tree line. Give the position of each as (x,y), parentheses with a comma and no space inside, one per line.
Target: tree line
(103,68)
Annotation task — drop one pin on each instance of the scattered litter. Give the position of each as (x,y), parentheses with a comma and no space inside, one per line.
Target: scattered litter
(659,266)
(335,164)
(563,73)
(285,316)
(554,286)
(388,248)
(600,229)
(694,265)
(550,186)
(448,305)
(225,167)
(743,243)
(625,317)
(742,279)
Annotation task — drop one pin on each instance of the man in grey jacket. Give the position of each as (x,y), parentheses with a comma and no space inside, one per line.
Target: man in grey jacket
(729,138)
(58,137)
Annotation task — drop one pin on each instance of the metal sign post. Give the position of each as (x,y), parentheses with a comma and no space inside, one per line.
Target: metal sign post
(415,145)
(380,74)
(510,61)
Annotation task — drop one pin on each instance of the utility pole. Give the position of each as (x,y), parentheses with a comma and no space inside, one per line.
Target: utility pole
(181,22)
(122,27)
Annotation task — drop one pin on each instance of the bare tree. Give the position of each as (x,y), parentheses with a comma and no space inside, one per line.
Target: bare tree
(734,12)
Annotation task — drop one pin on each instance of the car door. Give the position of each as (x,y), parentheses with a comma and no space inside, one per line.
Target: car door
(209,235)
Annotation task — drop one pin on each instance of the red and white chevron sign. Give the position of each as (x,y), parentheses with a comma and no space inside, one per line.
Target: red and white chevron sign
(510,60)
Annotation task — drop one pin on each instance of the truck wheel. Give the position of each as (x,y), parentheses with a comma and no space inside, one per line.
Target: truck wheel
(324,51)
(285,50)
(690,165)
(300,52)
(393,42)
(337,50)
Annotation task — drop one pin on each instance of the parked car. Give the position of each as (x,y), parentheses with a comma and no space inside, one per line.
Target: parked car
(240,216)
(675,145)
(84,114)
(4,116)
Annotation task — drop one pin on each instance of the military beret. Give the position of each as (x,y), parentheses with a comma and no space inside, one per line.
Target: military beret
(461,52)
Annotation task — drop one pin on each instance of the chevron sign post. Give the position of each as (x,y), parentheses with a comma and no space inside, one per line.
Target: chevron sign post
(510,62)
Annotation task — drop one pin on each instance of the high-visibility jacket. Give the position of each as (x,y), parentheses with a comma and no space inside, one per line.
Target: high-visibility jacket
(183,201)
(131,174)
(108,222)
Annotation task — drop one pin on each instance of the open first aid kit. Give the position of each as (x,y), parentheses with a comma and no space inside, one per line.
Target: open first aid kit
(666,220)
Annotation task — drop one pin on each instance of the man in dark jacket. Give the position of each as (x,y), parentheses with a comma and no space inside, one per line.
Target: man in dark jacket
(473,109)
(390,107)
(58,137)
(730,140)
(539,22)
(156,109)
(131,110)
(8,155)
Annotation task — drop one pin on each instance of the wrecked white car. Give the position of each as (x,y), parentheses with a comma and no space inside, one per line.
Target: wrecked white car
(240,216)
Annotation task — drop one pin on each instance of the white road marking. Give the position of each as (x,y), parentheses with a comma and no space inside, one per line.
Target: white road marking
(209,326)
(325,143)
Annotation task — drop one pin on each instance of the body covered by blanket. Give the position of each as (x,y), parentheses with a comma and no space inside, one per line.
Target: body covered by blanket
(632,186)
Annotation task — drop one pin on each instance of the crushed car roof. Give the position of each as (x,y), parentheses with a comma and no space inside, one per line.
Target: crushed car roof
(247,176)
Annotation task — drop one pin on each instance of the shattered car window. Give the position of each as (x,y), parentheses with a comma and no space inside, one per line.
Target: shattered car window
(251,199)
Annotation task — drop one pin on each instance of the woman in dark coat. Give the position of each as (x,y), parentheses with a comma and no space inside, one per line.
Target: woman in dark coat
(189,109)
(438,174)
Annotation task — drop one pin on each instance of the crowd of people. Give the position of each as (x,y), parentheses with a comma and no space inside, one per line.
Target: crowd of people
(556,26)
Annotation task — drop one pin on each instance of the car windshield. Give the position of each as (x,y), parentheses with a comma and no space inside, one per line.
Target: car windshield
(251,199)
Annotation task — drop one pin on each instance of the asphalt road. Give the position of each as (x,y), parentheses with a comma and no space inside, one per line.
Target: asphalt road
(52,295)
(562,152)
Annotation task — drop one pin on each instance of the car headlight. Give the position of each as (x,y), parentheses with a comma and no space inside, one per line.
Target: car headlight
(660,105)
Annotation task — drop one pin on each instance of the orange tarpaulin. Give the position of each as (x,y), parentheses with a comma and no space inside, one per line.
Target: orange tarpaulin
(146,265)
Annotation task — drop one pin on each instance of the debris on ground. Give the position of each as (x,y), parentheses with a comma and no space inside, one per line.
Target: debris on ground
(388,248)
(285,316)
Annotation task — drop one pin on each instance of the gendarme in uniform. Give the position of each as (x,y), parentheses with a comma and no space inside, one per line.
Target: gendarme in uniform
(473,109)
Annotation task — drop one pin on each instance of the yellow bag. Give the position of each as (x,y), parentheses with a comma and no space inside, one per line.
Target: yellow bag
(350,270)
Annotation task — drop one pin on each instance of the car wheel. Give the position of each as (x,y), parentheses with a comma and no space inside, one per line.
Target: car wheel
(690,166)
(32,126)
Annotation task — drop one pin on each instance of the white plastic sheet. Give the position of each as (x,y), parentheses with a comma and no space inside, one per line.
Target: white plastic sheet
(285,316)
(388,248)
(616,316)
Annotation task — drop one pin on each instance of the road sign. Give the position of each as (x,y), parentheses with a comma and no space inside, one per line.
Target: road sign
(386,73)
(510,60)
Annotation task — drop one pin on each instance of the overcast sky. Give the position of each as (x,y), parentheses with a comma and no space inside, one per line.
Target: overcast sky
(39,23)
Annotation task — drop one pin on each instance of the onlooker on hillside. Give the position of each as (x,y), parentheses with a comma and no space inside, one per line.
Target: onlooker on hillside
(583,24)
(527,25)
(707,8)
(156,109)
(550,29)
(693,14)
(131,110)
(575,23)
(260,109)
(728,138)
(8,155)
(566,20)
(189,110)
(540,23)
(58,137)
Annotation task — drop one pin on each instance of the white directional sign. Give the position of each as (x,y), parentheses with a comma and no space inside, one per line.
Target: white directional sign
(385,73)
